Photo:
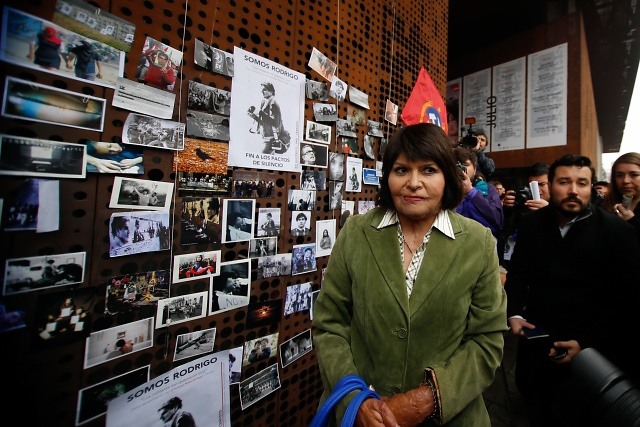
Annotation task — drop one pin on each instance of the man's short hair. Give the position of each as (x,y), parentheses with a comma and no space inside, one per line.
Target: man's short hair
(308,250)
(268,86)
(174,402)
(165,56)
(301,215)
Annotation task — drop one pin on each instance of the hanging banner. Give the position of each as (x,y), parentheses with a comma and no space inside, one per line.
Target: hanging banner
(425,105)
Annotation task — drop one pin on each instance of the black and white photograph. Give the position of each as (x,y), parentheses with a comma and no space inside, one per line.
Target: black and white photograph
(195,266)
(303,259)
(222,62)
(322,65)
(238,220)
(264,313)
(113,157)
(63,317)
(32,101)
(313,180)
(259,386)
(374,128)
(93,400)
(235,365)
(204,184)
(335,194)
(208,99)
(365,206)
(43,272)
(318,91)
(324,112)
(383,146)
(31,42)
(230,289)
(338,89)
(368,147)
(202,54)
(350,145)
(268,223)
(325,236)
(194,344)
(314,154)
(268,114)
(207,126)
(318,132)
(254,184)
(138,232)
(370,177)
(129,292)
(348,209)
(132,193)
(39,157)
(346,127)
(391,112)
(259,349)
(119,341)
(298,298)
(153,132)
(354,175)
(296,347)
(144,99)
(358,97)
(356,115)
(200,221)
(274,266)
(180,309)
(314,297)
(263,246)
(336,166)
(158,65)
(301,200)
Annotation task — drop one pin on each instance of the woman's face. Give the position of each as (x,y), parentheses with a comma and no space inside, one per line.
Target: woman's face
(627,179)
(107,147)
(336,166)
(416,188)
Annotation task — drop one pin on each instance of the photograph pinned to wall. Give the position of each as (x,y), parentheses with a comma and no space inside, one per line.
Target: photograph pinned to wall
(368,147)
(298,298)
(335,194)
(358,97)
(313,180)
(350,145)
(268,223)
(153,132)
(207,126)
(314,297)
(263,246)
(43,272)
(356,115)
(132,291)
(318,91)
(23,207)
(204,184)
(143,99)
(365,206)
(324,112)
(336,166)
(206,157)
(295,348)
(194,344)
(247,183)
(319,63)
(325,236)
(274,266)
(345,127)
(95,23)
(29,41)
(374,128)
(222,62)
(40,157)
(383,147)
(200,221)
(35,102)
(93,400)
(113,157)
(259,386)
(237,220)
(300,223)
(132,193)
(180,309)
(348,209)
(112,343)
(312,154)
(318,132)
(303,259)
(259,349)
(208,99)
(195,266)
(158,65)
(138,232)
(301,200)
(354,175)
(391,112)
(264,313)
(235,365)
(230,289)
(13,316)
(63,317)
(268,111)
(338,89)
(370,177)
(202,54)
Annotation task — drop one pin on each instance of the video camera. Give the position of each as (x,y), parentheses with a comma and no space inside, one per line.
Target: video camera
(469,140)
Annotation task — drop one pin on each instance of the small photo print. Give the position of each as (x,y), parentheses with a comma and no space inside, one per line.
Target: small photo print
(259,385)
(336,166)
(325,236)
(253,184)
(313,180)
(153,132)
(314,297)
(324,112)
(335,194)
(350,145)
(43,272)
(184,308)
(132,291)
(301,200)
(295,348)
(13,316)
(238,220)
(318,132)
(298,298)
(374,128)
(318,91)
(358,97)
(354,175)
(231,288)
(111,157)
(303,259)
(202,54)
(314,154)
(322,65)
(263,246)
(274,266)
(338,89)
(355,115)
(32,101)
(194,266)
(365,206)
(264,313)
(194,344)
(204,184)
(368,147)
(260,349)
(158,65)
(208,99)
(346,127)
(205,159)
(268,224)
(113,343)
(235,365)
(207,126)
(222,62)
(370,177)
(138,232)
(131,193)
(63,317)
(200,221)
(348,209)
(391,112)
(300,223)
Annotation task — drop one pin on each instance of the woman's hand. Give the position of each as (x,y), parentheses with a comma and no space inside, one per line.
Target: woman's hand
(104,165)
(127,163)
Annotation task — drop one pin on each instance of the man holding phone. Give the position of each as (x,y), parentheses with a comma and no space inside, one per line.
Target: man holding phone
(573,274)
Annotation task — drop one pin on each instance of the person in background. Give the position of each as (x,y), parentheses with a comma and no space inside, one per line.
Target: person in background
(625,176)
(87,61)
(45,51)
(499,188)
(574,273)
(602,188)
(412,294)
(486,165)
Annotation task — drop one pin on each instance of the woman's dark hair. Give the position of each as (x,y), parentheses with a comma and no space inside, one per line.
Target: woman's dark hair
(422,141)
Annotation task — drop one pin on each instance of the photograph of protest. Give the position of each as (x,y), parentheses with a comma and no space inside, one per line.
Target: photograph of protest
(194,344)
(194,266)
(208,99)
(158,65)
(301,200)
(180,309)
(119,341)
(137,232)
(293,349)
(298,298)
(230,289)
(153,132)
(324,112)
(200,221)
(43,272)
(207,126)
(132,193)
(254,184)
(136,290)
(276,265)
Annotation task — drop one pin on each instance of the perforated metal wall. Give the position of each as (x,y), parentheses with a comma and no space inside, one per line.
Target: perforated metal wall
(379,47)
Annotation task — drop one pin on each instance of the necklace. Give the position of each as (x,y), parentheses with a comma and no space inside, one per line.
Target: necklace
(407,245)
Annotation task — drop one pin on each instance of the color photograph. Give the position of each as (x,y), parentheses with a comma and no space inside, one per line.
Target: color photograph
(119,341)
(43,272)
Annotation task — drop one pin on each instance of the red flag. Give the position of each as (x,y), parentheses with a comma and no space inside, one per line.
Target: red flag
(425,105)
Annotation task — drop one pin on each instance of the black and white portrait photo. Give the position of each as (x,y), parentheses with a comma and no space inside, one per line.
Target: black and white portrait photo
(313,154)
(325,236)
(313,180)
(368,147)
(238,220)
(131,193)
(338,89)
(268,224)
(336,166)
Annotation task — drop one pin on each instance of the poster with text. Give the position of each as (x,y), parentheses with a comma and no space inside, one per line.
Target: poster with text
(508,91)
(476,93)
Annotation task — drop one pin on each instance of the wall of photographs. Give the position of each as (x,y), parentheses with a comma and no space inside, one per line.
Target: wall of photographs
(128,253)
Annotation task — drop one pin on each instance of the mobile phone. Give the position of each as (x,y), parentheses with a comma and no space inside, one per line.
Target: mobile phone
(626,201)
(560,353)
(537,332)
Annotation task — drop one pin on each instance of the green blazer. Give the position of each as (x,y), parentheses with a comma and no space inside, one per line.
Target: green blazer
(364,323)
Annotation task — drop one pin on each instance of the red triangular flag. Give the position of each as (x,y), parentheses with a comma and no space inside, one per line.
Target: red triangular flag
(425,105)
